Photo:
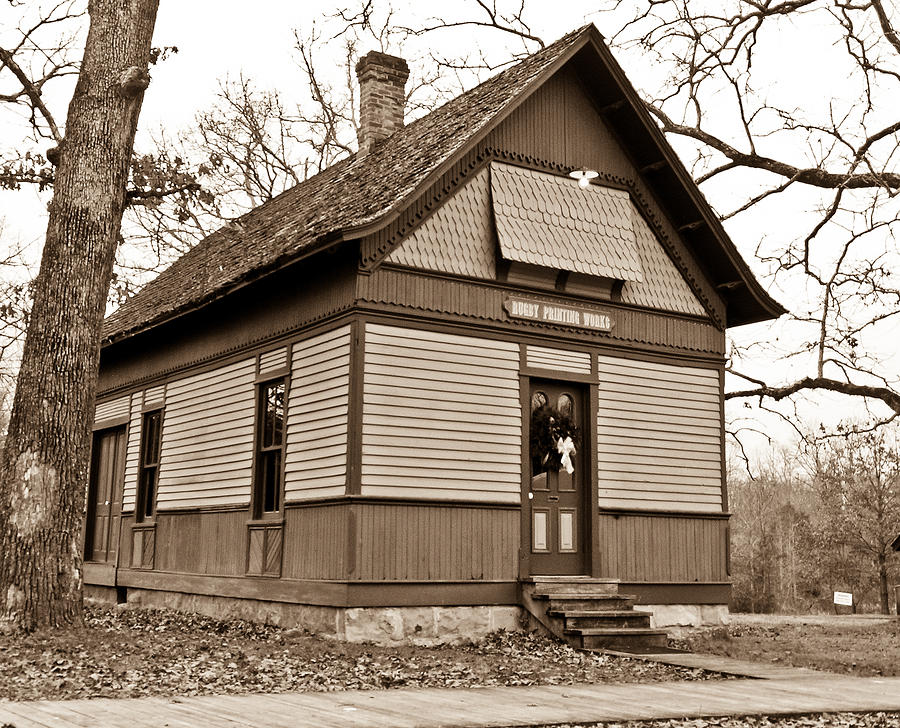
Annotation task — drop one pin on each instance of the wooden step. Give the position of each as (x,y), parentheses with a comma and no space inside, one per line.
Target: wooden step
(568,580)
(624,639)
(570,587)
(601,618)
(589,613)
(585,602)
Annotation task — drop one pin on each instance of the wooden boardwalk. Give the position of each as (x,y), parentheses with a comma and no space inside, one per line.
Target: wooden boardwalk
(431,708)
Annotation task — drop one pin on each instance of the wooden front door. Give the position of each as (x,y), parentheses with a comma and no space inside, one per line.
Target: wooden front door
(558,500)
(104,503)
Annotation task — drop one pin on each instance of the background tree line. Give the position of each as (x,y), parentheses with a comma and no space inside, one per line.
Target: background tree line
(816,519)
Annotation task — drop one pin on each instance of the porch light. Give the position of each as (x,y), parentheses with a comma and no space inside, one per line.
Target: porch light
(584,176)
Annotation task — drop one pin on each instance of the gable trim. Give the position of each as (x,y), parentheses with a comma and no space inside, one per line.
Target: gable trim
(377,246)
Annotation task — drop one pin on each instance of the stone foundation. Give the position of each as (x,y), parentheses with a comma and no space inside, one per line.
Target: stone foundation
(381,625)
(684,615)
(94,593)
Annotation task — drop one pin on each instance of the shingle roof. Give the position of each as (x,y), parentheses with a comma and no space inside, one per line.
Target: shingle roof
(548,220)
(305,216)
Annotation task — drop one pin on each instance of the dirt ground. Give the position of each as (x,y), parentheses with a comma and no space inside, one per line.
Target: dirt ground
(127,653)
(818,720)
(858,645)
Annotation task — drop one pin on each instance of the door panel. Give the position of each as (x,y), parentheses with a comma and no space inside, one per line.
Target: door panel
(558,499)
(104,503)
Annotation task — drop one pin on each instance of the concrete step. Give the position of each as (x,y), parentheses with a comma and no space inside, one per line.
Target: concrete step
(601,618)
(625,639)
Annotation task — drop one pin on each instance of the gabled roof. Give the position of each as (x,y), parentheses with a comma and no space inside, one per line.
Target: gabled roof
(365,190)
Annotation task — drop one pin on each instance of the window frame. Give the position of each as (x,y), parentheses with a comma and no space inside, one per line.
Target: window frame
(264,453)
(145,503)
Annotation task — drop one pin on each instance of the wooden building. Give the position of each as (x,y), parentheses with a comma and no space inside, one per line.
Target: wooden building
(332,410)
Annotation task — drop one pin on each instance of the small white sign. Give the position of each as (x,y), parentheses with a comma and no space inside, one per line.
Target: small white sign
(843,598)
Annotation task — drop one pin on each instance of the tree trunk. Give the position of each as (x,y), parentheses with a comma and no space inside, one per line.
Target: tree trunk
(43,467)
(884,593)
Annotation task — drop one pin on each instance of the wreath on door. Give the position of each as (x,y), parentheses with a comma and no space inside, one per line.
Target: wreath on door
(554,437)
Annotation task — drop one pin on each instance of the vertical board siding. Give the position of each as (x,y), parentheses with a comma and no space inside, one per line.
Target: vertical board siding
(201,543)
(434,543)
(663,548)
(316,542)
(117,407)
(441,416)
(539,357)
(317,417)
(659,433)
(469,299)
(132,454)
(273,360)
(207,438)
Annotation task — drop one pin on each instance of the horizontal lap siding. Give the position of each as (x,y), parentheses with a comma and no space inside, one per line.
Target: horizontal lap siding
(441,416)
(659,435)
(663,548)
(273,360)
(155,396)
(132,454)
(202,411)
(539,357)
(318,411)
(113,408)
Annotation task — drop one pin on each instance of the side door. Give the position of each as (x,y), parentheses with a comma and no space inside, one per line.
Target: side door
(104,498)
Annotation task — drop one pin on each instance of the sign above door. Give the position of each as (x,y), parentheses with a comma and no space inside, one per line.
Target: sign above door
(550,312)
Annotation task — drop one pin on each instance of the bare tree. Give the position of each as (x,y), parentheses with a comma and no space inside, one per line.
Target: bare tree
(43,466)
(837,161)
(857,480)
(836,164)
(772,563)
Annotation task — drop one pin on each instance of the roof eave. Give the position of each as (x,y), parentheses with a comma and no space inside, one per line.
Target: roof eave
(322,244)
(762,306)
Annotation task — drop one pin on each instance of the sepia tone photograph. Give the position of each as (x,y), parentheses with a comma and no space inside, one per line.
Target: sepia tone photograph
(488,363)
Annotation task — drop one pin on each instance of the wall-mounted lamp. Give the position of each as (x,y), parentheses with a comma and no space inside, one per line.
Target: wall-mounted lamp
(584,176)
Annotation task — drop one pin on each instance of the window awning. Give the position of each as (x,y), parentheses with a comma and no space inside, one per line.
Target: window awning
(550,221)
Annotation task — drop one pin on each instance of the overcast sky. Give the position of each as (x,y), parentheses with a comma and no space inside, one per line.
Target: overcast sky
(224,39)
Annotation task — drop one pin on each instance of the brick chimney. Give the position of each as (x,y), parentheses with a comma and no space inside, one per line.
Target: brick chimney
(382,80)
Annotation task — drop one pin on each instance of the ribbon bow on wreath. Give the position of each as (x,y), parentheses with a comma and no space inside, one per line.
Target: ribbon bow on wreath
(554,437)
(566,449)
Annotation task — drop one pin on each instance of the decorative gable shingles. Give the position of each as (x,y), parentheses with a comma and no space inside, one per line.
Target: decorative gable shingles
(549,221)
(663,285)
(458,238)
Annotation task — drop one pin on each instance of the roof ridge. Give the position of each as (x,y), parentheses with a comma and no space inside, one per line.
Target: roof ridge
(255,243)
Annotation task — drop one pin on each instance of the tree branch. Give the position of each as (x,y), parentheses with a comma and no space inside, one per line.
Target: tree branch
(32,91)
(136,196)
(810,175)
(886,395)
(889,33)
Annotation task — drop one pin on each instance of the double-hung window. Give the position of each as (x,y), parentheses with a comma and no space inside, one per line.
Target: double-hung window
(148,478)
(269,449)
